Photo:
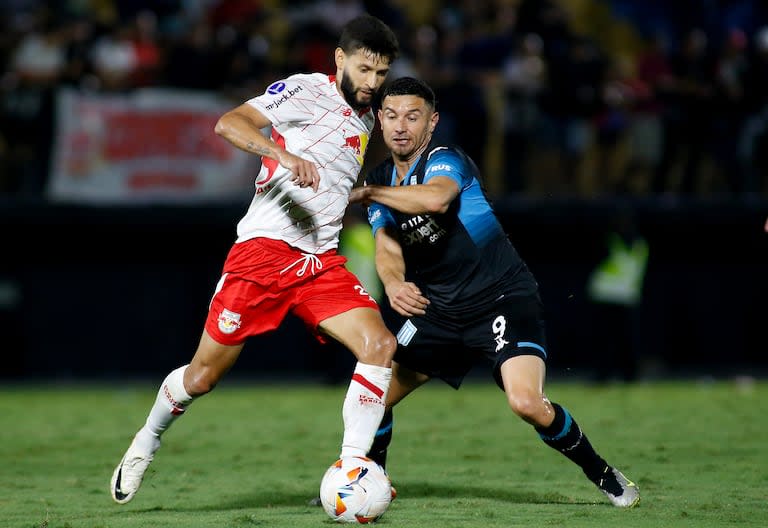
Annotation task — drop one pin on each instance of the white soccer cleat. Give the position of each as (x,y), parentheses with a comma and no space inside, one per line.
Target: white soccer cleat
(621,491)
(129,473)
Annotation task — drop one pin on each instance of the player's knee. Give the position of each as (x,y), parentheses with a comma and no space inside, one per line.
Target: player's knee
(200,382)
(529,406)
(379,350)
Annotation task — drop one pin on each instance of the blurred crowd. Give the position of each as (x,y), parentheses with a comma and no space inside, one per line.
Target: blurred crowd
(550,97)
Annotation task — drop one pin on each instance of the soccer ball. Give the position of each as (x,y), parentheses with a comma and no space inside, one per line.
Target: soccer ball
(355,490)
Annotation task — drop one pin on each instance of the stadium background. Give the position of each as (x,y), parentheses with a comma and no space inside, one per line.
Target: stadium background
(564,104)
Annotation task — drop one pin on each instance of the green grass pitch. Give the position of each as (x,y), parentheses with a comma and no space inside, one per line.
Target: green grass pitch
(252,454)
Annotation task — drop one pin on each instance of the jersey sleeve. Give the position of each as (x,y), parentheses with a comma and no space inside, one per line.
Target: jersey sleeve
(379,215)
(444,161)
(284,101)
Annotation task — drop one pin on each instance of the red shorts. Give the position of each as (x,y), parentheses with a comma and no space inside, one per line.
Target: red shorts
(264,279)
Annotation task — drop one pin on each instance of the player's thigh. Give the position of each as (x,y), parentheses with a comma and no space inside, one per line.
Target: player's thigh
(523,375)
(209,364)
(362,331)
(523,380)
(335,304)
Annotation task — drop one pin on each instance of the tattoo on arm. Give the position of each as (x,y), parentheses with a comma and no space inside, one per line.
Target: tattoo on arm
(261,151)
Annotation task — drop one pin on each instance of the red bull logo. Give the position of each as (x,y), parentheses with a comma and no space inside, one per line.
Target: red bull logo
(228,321)
(358,144)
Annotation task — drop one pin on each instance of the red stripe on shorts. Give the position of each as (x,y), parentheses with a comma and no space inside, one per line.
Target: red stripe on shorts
(368,385)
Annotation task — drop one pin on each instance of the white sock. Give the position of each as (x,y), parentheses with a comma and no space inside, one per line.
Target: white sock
(171,402)
(364,408)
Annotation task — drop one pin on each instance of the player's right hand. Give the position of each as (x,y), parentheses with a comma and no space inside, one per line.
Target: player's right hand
(360,195)
(406,299)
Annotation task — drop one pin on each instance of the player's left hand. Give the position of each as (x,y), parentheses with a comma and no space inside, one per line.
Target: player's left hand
(406,299)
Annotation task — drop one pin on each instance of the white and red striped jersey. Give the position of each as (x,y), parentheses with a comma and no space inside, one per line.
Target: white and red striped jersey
(313,121)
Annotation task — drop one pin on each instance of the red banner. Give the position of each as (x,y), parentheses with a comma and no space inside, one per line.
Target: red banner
(146,146)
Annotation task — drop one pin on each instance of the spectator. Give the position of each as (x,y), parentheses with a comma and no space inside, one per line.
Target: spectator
(753,140)
(570,104)
(524,75)
(728,110)
(191,61)
(652,82)
(37,66)
(114,58)
(78,71)
(687,121)
(146,50)
(618,94)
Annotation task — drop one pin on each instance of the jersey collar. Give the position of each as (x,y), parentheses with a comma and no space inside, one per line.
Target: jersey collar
(408,175)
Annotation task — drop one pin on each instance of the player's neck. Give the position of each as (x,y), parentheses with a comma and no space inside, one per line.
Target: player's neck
(401,169)
(403,166)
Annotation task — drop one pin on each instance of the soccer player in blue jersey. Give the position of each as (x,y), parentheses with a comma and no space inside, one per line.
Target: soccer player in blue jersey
(450,271)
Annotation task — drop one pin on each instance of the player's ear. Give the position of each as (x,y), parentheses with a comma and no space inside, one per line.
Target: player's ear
(433,122)
(339,57)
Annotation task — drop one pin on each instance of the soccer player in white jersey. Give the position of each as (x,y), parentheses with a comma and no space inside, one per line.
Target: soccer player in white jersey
(284,259)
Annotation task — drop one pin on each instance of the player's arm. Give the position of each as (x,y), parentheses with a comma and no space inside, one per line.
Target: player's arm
(404,297)
(434,196)
(242,128)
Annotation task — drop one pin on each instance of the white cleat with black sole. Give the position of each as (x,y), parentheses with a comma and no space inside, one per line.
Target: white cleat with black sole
(129,473)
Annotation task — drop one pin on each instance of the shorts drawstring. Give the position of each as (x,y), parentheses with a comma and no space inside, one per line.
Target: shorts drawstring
(306,259)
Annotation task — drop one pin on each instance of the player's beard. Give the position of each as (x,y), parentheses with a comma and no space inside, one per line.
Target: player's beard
(350,95)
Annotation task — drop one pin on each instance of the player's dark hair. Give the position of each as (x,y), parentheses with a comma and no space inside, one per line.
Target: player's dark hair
(411,86)
(369,33)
